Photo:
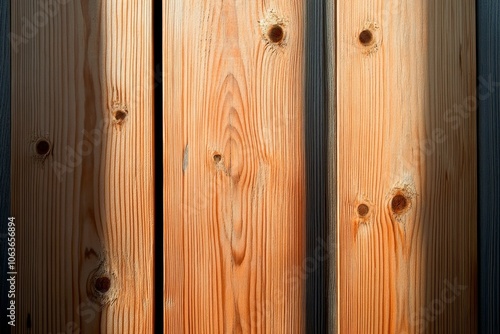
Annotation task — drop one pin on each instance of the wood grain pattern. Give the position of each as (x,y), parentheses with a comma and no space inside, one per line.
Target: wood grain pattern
(82,183)
(407,127)
(234,166)
(489,165)
(4,152)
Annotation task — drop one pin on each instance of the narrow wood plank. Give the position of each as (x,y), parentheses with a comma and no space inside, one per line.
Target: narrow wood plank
(489,165)
(4,155)
(82,183)
(407,166)
(234,166)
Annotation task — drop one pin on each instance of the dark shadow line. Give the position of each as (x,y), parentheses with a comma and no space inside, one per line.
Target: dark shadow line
(315,266)
(488,129)
(158,166)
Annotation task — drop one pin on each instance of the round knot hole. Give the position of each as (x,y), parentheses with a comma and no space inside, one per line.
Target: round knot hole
(363,210)
(42,147)
(366,37)
(276,34)
(399,203)
(217,158)
(102,284)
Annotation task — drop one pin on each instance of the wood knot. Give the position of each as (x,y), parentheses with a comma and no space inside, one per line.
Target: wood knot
(276,34)
(363,210)
(273,29)
(369,38)
(42,148)
(401,201)
(101,287)
(119,113)
(366,37)
(102,284)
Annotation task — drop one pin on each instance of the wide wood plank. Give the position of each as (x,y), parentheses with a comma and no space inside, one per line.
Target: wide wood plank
(234,166)
(489,164)
(82,182)
(407,166)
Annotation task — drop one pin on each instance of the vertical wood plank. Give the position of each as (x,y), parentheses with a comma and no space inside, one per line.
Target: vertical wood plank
(234,166)
(82,186)
(407,166)
(4,154)
(489,165)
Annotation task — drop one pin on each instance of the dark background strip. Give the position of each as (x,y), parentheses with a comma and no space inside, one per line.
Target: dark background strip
(4,153)
(158,165)
(488,46)
(316,263)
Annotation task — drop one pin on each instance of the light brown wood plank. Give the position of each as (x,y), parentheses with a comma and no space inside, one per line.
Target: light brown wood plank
(404,129)
(234,167)
(85,215)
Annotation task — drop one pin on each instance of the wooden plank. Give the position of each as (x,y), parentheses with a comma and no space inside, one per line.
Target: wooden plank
(4,154)
(82,186)
(407,166)
(489,165)
(234,168)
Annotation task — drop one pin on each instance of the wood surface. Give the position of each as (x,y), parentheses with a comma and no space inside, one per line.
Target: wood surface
(234,179)
(407,176)
(488,46)
(273,151)
(82,82)
(4,152)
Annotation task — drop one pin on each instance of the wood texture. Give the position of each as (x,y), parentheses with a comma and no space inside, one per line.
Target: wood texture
(82,181)
(234,167)
(4,152)
(407,167)
(489,165)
